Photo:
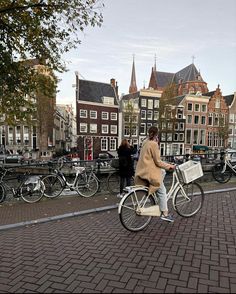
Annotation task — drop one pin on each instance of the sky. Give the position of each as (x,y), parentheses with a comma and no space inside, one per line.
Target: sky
(173,31)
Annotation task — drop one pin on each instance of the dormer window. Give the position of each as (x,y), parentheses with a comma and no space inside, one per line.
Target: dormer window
(108,100)
(217,103)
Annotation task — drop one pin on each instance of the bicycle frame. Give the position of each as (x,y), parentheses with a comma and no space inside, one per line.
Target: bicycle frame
(171,193)
(228,163)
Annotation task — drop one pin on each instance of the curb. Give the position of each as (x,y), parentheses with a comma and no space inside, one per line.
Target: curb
(83,212)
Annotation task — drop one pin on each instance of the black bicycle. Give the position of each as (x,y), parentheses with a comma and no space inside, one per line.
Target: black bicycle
(30,187)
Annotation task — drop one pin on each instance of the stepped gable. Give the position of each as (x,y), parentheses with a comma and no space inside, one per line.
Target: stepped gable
(91,91)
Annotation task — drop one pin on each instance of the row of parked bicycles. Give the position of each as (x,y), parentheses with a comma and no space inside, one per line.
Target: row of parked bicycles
(85,180)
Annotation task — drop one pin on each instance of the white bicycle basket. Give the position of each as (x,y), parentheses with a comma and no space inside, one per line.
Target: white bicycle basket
(190,171)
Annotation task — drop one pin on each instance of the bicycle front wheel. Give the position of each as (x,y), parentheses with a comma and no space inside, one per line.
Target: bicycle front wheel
(2,193)
(32,192)
(218,175)
(129,214)
(87,185)
(53,186)
(188,199)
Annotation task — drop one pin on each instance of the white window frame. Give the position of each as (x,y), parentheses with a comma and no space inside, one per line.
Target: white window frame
(104,140)
(85,125)
(112,144)
(113,116)
(83,113)
(143,114)
(156,103)
(107,129)
(150,104)
(149,114)
(113,129)
(145,129)
(105,115)
(91,114)
(143,102)
(93,128)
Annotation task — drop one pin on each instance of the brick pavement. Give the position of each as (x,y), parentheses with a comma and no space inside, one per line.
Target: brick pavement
(94,253)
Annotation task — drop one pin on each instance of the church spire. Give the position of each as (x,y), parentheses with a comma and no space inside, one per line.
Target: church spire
(133,86)
(155,63)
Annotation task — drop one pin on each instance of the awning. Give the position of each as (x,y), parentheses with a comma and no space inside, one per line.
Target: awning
(200,148)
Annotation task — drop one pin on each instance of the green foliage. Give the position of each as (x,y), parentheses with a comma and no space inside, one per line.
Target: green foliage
(42,29)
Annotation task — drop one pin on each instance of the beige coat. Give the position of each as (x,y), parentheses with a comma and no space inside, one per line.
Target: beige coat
(148,170)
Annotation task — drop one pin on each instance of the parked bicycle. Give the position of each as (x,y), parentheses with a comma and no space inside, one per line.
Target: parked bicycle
(113,182)
(30,187)
(223,171)
(85,182)
(137,207)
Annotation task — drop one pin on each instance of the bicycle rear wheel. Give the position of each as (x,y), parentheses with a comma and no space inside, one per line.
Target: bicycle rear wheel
(188,200)
(87,185)
(32,192)
(128,213)
(113,182)
(218,175)
(2,193)
(53,186)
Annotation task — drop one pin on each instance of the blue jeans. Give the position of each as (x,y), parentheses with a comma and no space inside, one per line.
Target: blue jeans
(161,193)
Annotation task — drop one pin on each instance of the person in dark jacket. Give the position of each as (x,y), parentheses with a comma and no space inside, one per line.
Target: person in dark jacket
(126,166)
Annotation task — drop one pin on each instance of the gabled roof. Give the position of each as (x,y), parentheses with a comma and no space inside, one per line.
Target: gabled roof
(189,73)
(131,96)
(229,99)
(91,91)
(163,78)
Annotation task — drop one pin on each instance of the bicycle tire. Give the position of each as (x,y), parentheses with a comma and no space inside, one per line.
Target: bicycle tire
(32,192)
(113,182)
(129,217)
(53,186)
(189,207)
(87,185)
(2,193)
(218,175)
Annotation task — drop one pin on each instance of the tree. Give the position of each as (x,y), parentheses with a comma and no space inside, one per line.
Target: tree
(223,129)
(42,29)
(130,118)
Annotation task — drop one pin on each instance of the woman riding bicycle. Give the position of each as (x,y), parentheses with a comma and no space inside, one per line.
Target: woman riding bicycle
(150,171)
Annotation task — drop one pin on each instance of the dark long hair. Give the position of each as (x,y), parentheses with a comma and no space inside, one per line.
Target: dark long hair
(152,132)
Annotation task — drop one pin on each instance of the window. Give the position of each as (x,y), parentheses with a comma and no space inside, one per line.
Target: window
(189,119)
(156,115)
(190,106)
(83,128)
(143,114)
(217,103)
(181,137)
(156,103)
(148,126)
(181,126)
(127,131)
(104,129)
(83,113)
(143,129)
(143,102)
(108,100)
(163,137)
(104,115)
(210,120)
(195,137)
(196,119)
(197,107)
(188,136)
(202,136)
(150,104)
(113,129)
(203,120)
(26,135)
(169,137)
(113,116)
(93,114)
(175,137)
(93,128)
(204,108)
(104,144)
(112,144)
(149,115)
(176,126)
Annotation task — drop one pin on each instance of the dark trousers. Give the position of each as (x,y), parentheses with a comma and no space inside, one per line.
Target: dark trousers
(122,183)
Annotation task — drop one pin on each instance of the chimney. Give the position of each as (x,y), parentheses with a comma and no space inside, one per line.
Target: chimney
(114,85)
